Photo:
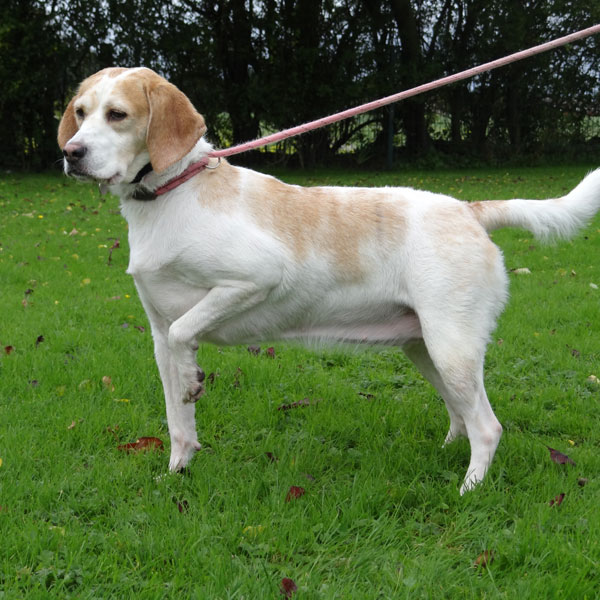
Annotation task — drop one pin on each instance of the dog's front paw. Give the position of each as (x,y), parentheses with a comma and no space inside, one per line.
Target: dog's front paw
(182,452)
(192,383)
(195,387)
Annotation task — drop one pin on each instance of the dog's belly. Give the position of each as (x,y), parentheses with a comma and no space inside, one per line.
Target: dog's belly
(395,330)
(313,324)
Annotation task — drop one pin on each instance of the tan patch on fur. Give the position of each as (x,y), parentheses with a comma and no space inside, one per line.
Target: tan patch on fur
(488,213)
(337,222)
(457,225)
(219,189)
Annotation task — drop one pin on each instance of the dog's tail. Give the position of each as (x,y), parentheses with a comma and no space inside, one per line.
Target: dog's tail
(556,218)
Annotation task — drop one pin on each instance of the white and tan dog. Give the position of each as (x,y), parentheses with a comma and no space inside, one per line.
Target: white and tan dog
(232,256)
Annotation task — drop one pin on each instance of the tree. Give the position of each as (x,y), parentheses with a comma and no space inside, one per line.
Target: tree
(30,56)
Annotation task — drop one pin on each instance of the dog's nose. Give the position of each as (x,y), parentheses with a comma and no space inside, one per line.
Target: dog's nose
(74,152)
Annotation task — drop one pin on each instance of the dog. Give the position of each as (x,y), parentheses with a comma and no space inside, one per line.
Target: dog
(226,255)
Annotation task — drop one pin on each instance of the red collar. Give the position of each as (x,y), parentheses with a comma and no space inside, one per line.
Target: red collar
(183,177)
(142,193)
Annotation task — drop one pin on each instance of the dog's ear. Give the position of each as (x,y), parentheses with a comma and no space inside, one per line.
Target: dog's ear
(67,127)
(174,126)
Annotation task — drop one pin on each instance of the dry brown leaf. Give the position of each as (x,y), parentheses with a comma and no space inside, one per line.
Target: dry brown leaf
(142,444)
(484,560)
(559,458)
(288,587)
(294,492)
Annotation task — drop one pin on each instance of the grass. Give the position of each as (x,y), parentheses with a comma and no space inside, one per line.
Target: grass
(380,517)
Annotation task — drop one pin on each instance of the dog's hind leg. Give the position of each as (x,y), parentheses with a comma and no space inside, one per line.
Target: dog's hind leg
(457,358)
(417,353)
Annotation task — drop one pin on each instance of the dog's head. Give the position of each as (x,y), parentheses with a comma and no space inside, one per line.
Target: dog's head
(121,119)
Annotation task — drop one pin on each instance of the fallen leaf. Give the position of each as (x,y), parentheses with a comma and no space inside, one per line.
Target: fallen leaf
(140,328)
(142,444)
(288,587)
(593,379)
(298,404)
(272,458)
(86,384)
(39,340)
(484,560)
(236,379)
(557,500)
(72,425)
(107,383)
(521,271)
(182,506)
(8,349)
(294,492)
(252,531)
(559,458)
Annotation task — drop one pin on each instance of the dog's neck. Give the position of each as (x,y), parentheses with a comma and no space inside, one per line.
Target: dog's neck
(146,181)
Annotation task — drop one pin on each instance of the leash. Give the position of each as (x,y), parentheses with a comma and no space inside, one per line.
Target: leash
(363,108)
(194,168)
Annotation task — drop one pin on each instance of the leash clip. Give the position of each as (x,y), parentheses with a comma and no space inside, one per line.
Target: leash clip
(218,163)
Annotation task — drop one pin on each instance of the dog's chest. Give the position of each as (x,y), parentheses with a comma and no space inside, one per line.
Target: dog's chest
(166,257)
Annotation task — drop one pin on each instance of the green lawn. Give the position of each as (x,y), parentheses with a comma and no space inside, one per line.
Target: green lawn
(381,516)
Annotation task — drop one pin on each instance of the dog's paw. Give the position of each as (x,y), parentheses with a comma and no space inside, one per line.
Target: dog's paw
(196,387)
(192,383)
(182,452)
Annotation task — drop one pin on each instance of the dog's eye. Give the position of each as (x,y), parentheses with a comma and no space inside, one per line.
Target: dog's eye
(80,113)
(116,115)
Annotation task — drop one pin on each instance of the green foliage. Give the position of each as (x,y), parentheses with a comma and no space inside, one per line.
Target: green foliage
(255,67)
(380,517)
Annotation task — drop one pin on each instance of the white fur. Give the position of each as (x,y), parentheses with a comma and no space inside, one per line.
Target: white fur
(210,267)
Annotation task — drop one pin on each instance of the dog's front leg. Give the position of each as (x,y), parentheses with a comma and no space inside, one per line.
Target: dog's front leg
(220,304)
(180,415)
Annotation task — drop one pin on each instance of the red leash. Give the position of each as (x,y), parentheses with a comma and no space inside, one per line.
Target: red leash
(287,133)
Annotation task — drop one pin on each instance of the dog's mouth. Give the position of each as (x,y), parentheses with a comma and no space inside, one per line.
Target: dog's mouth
(84,175)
